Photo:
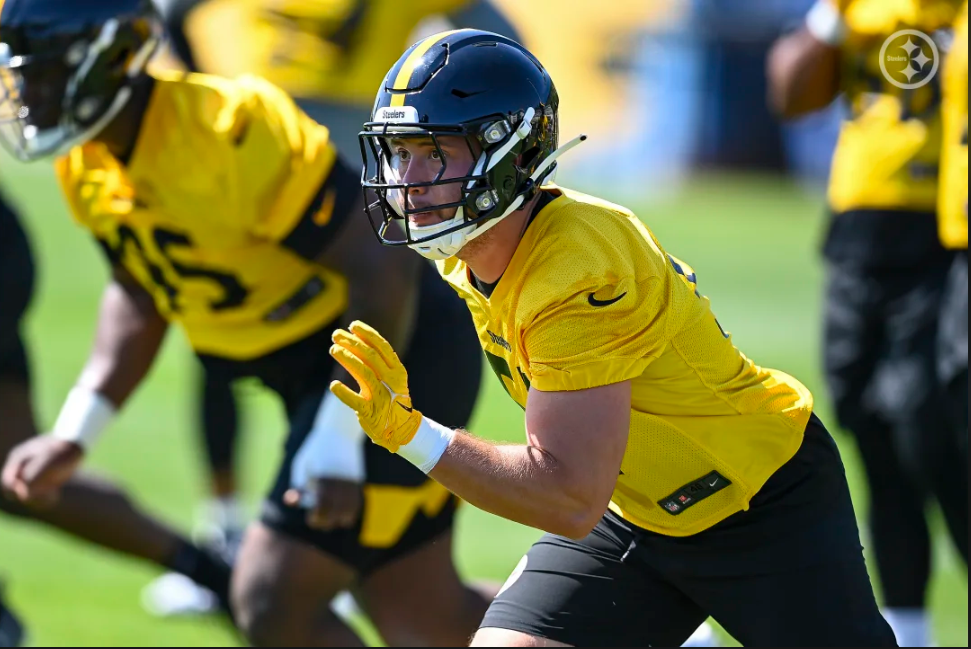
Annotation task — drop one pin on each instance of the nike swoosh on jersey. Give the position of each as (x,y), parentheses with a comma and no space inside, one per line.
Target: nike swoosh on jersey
(407,409)
(602,303)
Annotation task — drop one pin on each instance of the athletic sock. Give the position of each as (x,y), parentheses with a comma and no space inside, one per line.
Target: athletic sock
(910,625)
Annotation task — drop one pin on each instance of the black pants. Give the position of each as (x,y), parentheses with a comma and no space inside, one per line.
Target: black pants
(881,360)
(953,344)
(787,572)
(403,509)
(16,290)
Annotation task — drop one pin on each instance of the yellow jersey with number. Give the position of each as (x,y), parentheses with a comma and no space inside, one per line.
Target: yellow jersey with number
(222,174)
(953,211)
(889,149)
(590,298)
(339,50)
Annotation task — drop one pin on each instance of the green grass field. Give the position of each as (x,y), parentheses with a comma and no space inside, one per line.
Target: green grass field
(751,241)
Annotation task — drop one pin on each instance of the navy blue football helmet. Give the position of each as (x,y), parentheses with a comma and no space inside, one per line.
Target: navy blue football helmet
(472,84)
(66,68)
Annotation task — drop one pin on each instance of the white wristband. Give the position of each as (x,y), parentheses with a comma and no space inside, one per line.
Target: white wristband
(428,445)
(826,24)
(83,418)
(333,449)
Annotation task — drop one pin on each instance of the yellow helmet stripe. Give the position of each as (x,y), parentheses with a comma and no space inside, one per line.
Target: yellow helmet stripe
(402,81)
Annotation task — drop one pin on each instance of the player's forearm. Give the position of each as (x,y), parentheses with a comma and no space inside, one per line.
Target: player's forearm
(129,334)
(803,74)
(520,483)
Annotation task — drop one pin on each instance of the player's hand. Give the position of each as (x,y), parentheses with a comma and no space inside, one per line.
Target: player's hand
(333,503)
(383,404)
(37,469)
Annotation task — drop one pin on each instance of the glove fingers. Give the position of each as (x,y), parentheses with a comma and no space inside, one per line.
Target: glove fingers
(377,342)
(358,367)
(364,351)
(349,398)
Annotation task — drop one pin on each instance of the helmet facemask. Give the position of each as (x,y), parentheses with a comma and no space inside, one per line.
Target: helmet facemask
(53,101)
(505,152)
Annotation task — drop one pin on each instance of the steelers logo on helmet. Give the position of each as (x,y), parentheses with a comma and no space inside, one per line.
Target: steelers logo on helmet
(463,91)
(66,69)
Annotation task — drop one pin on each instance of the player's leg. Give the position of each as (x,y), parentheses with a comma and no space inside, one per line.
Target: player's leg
(222,513)
(855,344)
(88,508)
(420,600)
(588,593)
(789,571)
(953,359)
(910,391)
(220,523)
(282,589)
(287,573)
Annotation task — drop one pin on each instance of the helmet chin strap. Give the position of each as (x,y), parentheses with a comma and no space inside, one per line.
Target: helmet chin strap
(450,244)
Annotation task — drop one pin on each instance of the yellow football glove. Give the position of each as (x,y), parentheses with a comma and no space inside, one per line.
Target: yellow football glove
(383,405)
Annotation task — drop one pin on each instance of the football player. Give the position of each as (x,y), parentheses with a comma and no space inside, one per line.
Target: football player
(329,55)
(953,212)
(676,478)
(887,270)
(225,209)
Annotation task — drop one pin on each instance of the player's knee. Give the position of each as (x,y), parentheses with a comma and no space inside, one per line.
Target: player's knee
(254,610)
(449,623)
(506,638)
(268,617)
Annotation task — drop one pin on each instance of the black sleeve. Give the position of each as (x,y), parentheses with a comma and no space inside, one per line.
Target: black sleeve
(340,195)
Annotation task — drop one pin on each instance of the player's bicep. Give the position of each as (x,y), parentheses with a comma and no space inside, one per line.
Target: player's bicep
(586,432)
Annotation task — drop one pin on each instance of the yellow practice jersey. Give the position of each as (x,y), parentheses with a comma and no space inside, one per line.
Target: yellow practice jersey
(337,50)
(224,172)
(953,210)
(889,150)
(590,299)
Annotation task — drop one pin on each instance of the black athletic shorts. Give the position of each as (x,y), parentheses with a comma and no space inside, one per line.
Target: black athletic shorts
(16,289)
(787,572)
(403,508)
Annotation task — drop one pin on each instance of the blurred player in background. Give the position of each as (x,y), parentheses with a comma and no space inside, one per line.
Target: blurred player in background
(887,270)
(224,208)
(330,55)
(953,212)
